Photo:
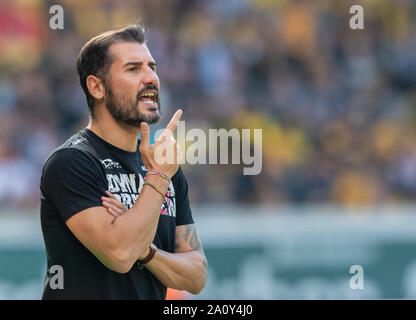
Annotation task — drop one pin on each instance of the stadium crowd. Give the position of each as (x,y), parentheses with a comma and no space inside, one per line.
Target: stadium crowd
(336,105)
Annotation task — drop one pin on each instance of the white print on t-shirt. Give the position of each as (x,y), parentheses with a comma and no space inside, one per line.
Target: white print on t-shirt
(110,164)
(77,141)
(123,187)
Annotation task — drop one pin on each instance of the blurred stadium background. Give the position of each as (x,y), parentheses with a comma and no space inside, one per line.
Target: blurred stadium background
(337,109)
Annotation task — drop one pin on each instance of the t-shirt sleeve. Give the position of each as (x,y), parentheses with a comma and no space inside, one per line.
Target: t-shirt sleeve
(183,208)
(72,181)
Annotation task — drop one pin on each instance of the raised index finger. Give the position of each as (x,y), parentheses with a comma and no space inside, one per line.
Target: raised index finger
(174,121)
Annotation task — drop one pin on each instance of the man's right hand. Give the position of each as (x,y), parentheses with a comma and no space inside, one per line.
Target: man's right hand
(164,155)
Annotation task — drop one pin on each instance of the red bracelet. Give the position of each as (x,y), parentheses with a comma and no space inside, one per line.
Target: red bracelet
(150,255)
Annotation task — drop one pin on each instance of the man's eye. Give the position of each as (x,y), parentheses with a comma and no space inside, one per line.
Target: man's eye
(132,69)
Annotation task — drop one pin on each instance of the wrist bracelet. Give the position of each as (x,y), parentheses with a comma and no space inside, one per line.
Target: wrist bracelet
(154,187)
(150,255)
(156,173)
(168,193)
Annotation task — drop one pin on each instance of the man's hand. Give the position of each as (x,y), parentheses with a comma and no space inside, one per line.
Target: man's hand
(113,205)
(164,154)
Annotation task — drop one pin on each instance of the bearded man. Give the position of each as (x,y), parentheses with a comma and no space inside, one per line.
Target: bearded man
(115,219)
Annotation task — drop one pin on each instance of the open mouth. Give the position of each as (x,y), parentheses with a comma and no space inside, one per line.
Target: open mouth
(149,98)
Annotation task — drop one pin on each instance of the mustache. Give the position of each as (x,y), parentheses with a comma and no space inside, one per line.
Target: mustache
(146,88)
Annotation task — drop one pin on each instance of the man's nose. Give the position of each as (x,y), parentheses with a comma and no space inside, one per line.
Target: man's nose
(150,77)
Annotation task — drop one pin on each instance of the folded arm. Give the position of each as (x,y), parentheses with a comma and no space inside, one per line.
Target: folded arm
(118,243)
(186,268)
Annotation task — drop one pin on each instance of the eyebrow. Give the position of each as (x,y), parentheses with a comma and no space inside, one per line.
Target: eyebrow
(137,63)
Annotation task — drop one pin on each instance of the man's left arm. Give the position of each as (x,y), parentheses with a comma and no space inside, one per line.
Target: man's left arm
(186,268)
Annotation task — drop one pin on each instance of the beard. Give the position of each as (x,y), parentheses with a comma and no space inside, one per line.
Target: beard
(126,111)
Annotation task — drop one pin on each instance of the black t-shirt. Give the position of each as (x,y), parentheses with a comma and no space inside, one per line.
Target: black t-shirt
(74,178)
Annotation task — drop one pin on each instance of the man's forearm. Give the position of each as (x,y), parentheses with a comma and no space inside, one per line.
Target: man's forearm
(182,271)
(136,228)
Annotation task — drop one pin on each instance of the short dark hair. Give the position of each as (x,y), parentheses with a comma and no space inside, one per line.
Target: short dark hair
(95,59)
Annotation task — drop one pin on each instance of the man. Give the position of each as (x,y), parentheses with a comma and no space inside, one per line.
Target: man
(114,217)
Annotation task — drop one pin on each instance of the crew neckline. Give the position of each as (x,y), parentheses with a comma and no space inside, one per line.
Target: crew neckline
(109,145)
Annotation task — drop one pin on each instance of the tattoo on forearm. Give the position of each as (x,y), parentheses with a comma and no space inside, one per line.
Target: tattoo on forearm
(195,242)
(192,238)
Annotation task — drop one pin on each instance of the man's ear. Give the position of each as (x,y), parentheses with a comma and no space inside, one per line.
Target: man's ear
(95,87)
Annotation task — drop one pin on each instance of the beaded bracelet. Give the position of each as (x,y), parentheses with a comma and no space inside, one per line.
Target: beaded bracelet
(158,174)
(168,193)
(154,187)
